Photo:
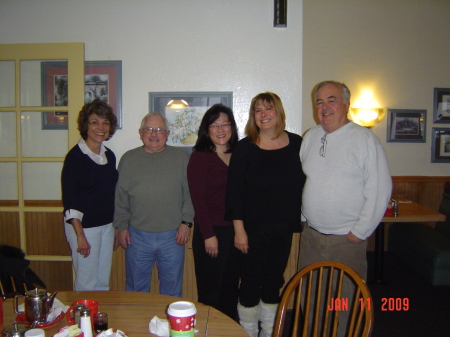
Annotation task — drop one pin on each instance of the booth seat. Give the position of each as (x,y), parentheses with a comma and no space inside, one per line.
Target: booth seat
(425,249)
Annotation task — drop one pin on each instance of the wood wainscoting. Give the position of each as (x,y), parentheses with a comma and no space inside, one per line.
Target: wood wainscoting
(45,235)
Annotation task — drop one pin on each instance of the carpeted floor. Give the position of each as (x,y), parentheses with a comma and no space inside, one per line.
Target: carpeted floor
(429,306)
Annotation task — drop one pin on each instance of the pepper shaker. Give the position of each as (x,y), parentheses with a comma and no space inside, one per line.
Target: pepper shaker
(76,313)
(395,207)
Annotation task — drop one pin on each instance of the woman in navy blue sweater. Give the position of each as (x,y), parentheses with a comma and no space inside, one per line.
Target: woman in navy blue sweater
(88,181)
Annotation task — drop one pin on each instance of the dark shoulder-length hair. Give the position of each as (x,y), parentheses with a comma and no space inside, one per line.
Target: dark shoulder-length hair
(251,129)
(204,142)
(103,110)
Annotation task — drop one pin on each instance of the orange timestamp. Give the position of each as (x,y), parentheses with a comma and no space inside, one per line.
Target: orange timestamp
(387,304)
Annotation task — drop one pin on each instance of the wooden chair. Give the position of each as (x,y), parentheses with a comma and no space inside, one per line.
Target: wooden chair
(324,280)
(16,288)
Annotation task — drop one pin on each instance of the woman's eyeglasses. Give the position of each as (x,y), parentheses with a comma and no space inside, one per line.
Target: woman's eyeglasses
(216,127)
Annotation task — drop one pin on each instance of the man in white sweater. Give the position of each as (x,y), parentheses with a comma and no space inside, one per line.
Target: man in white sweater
(348,183)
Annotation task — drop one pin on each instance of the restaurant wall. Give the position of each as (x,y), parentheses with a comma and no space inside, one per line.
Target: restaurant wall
(398,48)
(173,45)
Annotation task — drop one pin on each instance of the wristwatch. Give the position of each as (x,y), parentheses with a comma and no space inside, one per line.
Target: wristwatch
(189,224)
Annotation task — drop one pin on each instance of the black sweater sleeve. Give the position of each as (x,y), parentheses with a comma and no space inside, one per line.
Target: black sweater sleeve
(235,196)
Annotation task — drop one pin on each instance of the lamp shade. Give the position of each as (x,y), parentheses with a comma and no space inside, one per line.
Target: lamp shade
(367,117)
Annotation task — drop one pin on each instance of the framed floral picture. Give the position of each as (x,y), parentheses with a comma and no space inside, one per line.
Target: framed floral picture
(184,112)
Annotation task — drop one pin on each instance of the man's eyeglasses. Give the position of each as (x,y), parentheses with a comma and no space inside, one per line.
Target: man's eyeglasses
(157,130)
(323,148)
(216,127)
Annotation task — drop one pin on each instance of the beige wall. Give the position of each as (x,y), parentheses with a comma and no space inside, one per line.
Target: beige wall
(398,48)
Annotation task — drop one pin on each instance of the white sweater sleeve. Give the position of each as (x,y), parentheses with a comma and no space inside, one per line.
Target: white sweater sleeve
(376,192)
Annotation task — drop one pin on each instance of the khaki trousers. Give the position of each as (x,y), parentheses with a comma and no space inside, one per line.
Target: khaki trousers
(316,247)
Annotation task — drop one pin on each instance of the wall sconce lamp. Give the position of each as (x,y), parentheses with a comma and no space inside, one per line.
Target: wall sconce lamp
(177,104)
(367,117)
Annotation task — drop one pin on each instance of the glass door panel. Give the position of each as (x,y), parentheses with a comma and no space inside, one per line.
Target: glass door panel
(7,83)
(8,177)
(44,83)
(8,145)
(37,140)
(42,180)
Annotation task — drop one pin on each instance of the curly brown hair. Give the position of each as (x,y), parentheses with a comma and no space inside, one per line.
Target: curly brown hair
(103,110)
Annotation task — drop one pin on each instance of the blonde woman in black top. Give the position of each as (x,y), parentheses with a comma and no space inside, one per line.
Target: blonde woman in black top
(263,200)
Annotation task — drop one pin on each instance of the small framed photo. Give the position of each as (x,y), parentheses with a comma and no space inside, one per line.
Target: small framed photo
(102,80)
(184,112)
(441,105)
(406,126)
(440,146)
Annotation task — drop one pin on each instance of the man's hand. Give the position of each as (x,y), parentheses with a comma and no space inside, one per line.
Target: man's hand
(124,238)
(212,246)
(183,234)
(353,238)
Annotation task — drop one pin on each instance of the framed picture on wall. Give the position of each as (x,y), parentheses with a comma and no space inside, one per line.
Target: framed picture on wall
(406,126)
(103,80)
(184,112)
(440,146)
(441,105)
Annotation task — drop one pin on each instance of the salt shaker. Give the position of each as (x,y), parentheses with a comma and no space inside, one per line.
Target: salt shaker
(85,322)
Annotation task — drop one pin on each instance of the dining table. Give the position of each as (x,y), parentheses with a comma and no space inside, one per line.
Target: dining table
(131,313)
(408,211)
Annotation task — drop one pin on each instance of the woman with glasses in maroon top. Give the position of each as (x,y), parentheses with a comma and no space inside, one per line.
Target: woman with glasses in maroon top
(215,257)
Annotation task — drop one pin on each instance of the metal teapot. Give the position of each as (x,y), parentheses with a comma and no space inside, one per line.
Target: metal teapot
(15,330)
(37,305)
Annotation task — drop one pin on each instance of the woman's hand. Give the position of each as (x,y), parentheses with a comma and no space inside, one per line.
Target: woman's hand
(212,246)
(84,248)
(241,242)
(240,236)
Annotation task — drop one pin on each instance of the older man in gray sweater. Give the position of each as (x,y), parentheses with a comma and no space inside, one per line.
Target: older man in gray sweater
(153,209)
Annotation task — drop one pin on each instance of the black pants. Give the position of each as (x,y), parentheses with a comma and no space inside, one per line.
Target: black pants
(263,268)
(217,278)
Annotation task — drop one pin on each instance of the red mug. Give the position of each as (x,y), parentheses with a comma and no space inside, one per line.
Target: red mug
(90,304)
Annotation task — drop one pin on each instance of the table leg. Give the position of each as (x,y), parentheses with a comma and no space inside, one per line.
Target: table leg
(379,255)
